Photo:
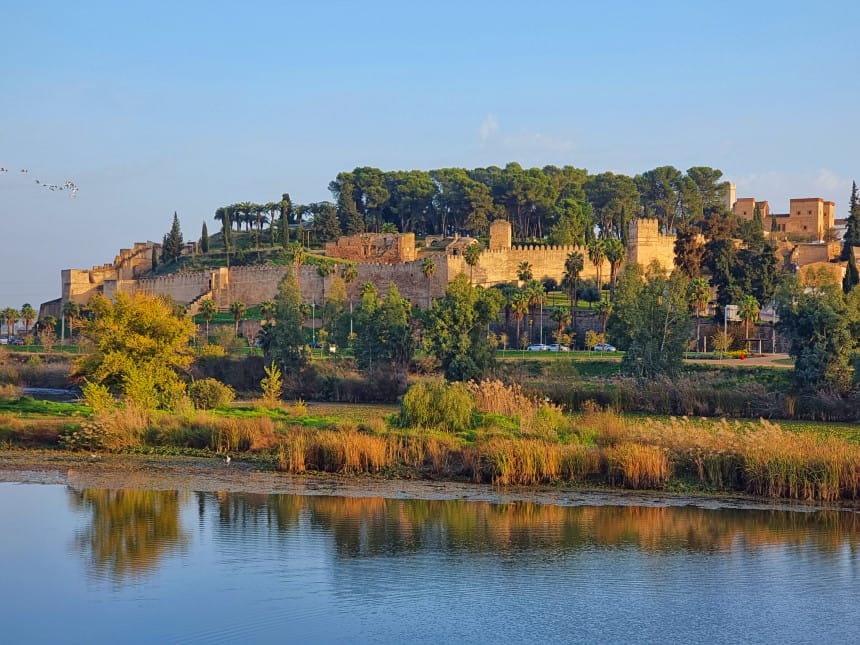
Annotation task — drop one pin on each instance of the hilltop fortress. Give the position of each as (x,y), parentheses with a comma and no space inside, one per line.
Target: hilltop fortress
(383,259)
(394,258)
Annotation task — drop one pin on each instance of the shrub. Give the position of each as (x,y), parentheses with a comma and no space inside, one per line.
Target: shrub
(208,351)
(437,404)
(208,393)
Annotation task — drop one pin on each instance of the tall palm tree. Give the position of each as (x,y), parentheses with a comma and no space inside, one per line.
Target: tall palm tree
(10,317)
(472,254)
(28,315)
(519,308)
(324,269)
(208,309)
(561,316)
(428,268)
(536,295)
(748,311)
(72,311)
(605,310)
(699,296)
(238,310)
(573,266)
(596,254)
(615,253)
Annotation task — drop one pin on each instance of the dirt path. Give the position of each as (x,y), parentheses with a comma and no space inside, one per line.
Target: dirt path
(211,475)
(765,360)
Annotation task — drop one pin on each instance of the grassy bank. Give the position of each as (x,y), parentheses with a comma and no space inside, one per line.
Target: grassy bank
(501,436)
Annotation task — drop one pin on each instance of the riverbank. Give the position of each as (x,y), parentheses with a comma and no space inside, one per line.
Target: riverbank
(143,472)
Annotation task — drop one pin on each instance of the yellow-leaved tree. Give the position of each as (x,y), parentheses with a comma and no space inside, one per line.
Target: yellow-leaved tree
(139,346)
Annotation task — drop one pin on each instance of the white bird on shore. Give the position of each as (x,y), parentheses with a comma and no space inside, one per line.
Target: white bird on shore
(227,460)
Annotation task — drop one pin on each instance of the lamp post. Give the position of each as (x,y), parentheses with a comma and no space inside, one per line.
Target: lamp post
(313,324)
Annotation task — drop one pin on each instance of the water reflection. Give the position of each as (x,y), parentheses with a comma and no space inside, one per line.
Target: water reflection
(129,531)
(371,526)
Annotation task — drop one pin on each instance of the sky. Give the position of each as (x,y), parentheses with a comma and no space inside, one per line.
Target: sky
(152,108)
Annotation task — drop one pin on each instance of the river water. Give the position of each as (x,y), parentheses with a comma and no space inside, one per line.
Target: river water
(134,566)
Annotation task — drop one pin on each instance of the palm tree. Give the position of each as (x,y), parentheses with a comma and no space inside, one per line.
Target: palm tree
(268,309)
(519,308)
(208,309)
(596,254)
(472,254)
(561,316)
(324,269)
(428,268)
(604,309)
(615,253)
(699,296)
(748,311)
(573,266)
(524,272)
(10,317)
(72,311)
(28,315)
(298,252)
(536,295)
(238,310)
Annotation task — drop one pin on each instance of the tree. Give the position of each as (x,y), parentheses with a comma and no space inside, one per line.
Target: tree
(524,272)
(699,295)
(208,309)
(689,250)
(237,310)
(852,227)
(428,268)
(748,311)
(519,308)
(204,239)
(650,320)
(852,278)
(154,258)
(284,342)
(573,265)
(456,329)
(268,309)
(140,347)
(596,254)
(615,253)
(28,315)
(10,317)
(171,247)
(815,319)
(472,255)
(384,337)
(72,312)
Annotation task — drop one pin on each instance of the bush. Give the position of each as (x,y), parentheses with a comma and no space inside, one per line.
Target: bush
(437,404)
(208,393)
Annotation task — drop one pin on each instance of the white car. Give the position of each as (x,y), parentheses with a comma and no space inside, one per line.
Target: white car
(555,347)
(538,348)
(604,347)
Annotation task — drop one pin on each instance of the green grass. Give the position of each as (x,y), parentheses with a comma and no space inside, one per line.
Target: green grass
(28,407)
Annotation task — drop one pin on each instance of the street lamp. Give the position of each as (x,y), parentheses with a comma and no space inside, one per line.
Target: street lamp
(313,323)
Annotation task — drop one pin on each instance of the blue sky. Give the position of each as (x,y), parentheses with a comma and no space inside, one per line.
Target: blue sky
(152,108)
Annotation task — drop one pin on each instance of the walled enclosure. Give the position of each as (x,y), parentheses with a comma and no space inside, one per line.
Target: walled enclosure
(255,284)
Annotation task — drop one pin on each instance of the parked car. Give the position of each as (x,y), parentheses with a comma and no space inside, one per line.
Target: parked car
(604,347)
(556,347)
(14,340)
(4,340)
(538,348)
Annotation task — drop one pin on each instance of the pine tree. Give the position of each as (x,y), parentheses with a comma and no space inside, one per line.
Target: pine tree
(852,229)
(204,239)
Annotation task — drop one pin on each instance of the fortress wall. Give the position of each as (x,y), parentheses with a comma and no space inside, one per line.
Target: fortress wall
(498,266)
(182,287)
(408,277)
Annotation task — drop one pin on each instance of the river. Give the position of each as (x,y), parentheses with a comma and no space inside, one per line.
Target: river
(144,566)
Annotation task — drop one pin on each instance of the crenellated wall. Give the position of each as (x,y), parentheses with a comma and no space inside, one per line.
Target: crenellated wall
(255,284)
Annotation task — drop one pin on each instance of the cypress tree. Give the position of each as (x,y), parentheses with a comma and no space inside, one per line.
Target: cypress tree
(175,238)
(286,211)
(852,278)
(154,257)
(204,239)
(852,229)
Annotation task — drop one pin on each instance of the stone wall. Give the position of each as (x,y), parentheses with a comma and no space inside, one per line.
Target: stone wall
(374,247)
(646,244)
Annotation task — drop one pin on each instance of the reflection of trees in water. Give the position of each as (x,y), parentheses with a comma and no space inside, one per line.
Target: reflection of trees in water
(374,526)
(130,530)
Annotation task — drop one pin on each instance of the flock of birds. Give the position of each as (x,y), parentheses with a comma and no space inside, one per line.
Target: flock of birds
(68,185)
